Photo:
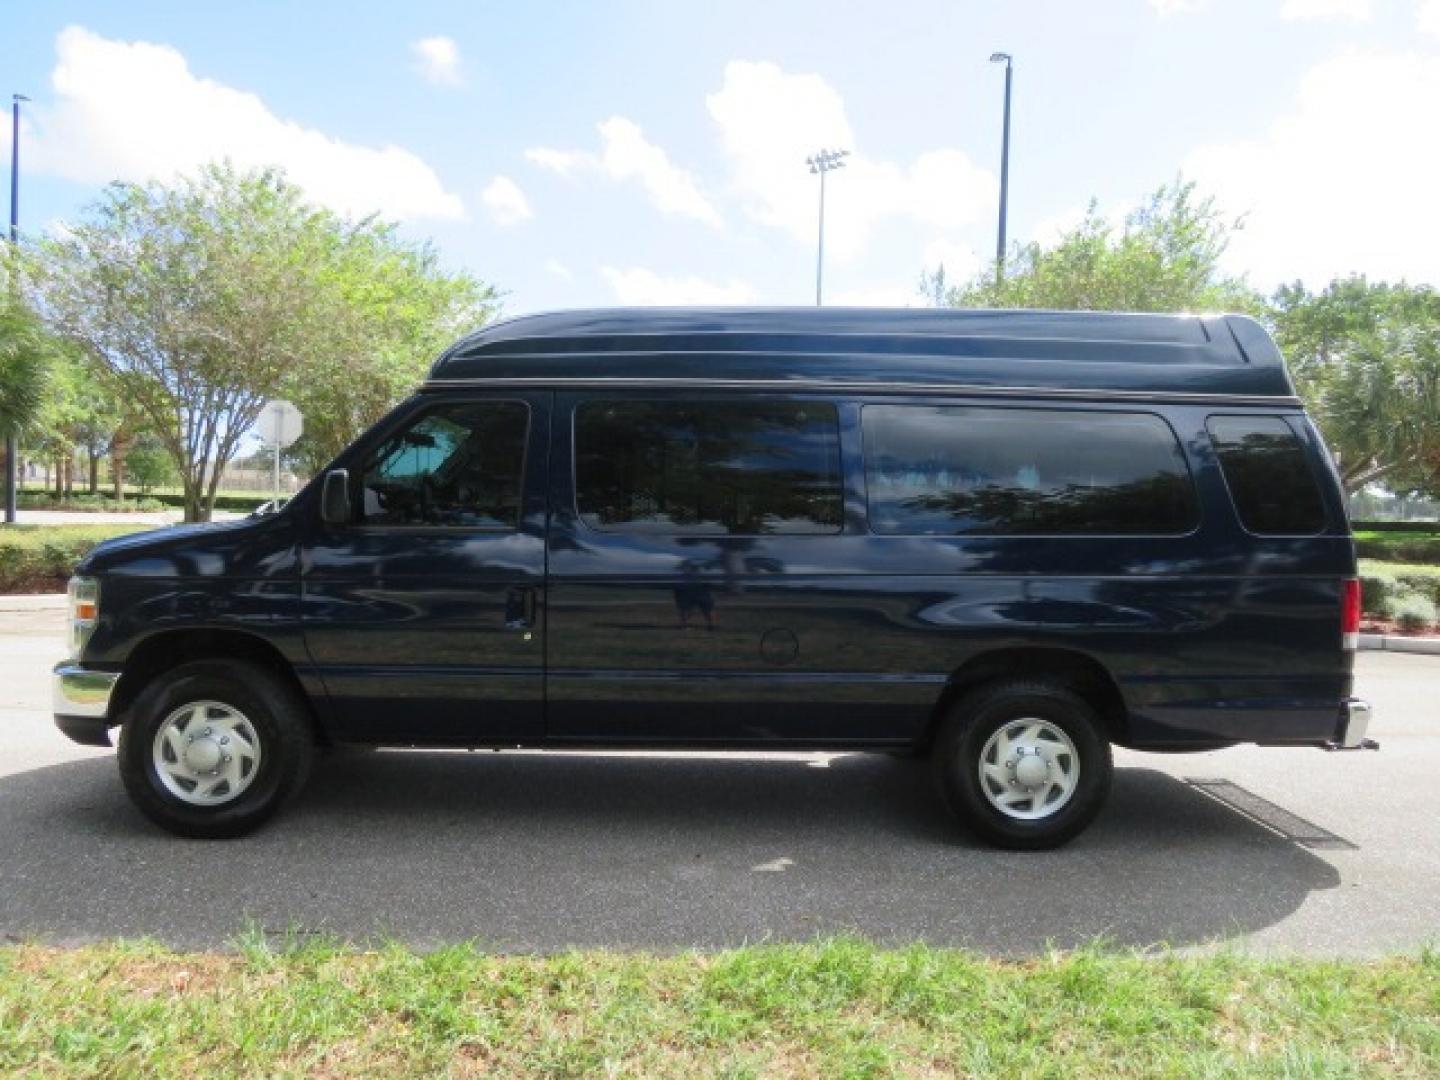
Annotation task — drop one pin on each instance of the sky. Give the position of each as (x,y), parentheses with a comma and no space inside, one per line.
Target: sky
(590,154)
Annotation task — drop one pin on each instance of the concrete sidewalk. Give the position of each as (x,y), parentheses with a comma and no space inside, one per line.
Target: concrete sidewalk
(33,602)
(108,517)
(1427,646)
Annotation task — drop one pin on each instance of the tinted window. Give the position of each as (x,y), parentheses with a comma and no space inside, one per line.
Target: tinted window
(1019,472)
(708,467)
(458,464)
(1270,480)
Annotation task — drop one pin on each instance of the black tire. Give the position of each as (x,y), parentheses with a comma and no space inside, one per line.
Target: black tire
(280,720)
(971,722)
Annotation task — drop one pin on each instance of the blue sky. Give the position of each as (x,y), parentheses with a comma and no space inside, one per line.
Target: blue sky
(591,154)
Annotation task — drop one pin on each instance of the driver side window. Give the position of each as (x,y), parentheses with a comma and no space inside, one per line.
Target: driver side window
(459,464)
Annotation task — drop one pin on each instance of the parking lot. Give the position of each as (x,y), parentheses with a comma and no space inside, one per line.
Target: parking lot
(1297,850)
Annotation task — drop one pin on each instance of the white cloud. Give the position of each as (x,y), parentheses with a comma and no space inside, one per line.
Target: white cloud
(1315,10)
(1047,231)
(770,121)
(1166,8)
(564,162)
(626,155)
(889,296)
(1341,183)
(1427,17)
(134,111)
(558,269)
(642,287)
(506,202)
(438,60)
(960,260)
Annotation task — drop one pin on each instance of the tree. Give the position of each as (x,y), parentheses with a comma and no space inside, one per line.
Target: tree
(27,352)
(1165,256)
(391,310)
(1366,357)
(148,464)
(77,414)
(200,300)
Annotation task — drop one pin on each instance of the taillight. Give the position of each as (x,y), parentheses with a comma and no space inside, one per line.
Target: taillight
(1350,613)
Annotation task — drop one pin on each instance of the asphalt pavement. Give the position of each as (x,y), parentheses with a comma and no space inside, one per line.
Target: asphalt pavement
(1288,850)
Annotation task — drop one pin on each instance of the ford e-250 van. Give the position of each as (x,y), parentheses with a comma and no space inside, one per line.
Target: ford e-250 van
(1007,540)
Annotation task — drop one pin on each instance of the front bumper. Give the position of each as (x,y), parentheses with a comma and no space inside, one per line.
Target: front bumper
(80,698)
(1353,726)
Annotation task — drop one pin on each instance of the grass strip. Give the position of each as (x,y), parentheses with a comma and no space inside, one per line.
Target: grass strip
(841,1008)
(1404,547)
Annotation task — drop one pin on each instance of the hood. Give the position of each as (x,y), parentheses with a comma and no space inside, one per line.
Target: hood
(202,549)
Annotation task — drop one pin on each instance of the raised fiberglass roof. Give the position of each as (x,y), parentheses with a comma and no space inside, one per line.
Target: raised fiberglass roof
(886,349)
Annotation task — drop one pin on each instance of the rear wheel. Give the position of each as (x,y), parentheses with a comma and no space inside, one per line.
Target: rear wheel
(212,748)
(1025,764)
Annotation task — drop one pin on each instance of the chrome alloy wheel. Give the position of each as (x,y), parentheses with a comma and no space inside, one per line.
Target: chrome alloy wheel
(206,753)
(1029,769)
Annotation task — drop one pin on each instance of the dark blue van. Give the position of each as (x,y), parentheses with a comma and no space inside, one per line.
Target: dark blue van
(1008,540)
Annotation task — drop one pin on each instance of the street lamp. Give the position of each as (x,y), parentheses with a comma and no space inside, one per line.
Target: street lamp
(1005,58)
(11,448)
(822,162)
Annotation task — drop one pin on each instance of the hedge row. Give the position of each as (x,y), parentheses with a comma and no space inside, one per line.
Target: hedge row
(239,503)
(38,558)
(1431,528)
(83,501)
(1402,549)
(1407,595)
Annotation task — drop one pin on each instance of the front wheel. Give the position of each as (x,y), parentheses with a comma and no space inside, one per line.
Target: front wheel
(212,748)
(1024,764)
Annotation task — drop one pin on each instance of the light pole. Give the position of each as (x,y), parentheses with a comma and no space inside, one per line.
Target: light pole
(822,162)
(1005,58)
(12,449)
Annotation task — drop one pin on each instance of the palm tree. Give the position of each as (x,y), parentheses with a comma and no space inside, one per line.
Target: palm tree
(26,350)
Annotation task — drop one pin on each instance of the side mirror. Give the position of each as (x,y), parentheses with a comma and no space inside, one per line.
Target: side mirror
(335,498)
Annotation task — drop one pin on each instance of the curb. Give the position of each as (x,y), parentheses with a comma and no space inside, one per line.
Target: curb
(33,602)
(1429,646)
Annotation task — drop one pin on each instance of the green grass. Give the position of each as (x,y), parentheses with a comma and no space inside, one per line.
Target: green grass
(38,558)
(1407,547)
(836,1009)
(1395,534)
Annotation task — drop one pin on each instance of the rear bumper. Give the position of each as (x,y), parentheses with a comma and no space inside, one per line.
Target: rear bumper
(1353,727)
(80,698)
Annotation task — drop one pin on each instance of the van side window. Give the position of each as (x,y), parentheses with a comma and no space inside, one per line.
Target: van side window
(703,467)
(458,464)
(1265,468)
(958,470)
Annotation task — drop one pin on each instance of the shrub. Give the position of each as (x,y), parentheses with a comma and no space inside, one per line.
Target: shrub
(1419,583)
(84,501)
(38,558)
(1412,613)
(1377,589)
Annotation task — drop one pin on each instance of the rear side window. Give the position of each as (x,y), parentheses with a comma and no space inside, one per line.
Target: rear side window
(1265,468)
(708,467)
(960,470)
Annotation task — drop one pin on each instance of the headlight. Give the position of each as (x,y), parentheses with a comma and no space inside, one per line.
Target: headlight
(84,596)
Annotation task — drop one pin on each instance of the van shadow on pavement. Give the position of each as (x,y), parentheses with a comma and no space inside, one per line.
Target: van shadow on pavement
(523,852)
